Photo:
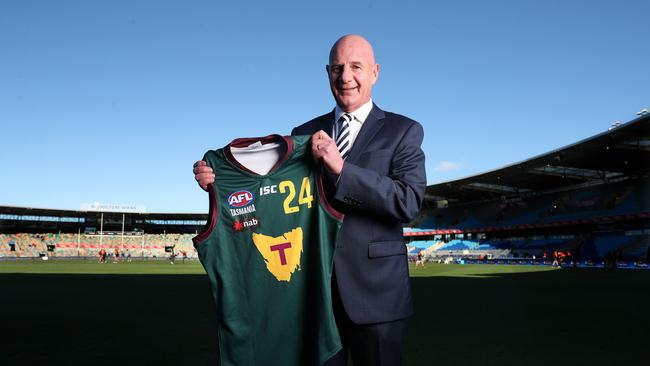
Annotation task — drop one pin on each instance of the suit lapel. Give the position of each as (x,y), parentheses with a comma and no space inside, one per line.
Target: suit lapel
(370,127)
(326,123)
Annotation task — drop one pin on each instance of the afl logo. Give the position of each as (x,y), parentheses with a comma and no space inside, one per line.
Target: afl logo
(240,199)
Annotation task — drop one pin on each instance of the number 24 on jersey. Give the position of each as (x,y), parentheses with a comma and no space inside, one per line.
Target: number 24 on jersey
(288,187)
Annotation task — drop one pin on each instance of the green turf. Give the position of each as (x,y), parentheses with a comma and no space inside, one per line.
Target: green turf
(93,267)
(473,270)
(525,315)
(154,313)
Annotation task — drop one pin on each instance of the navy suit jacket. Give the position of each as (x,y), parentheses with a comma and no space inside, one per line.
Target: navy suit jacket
(380,188)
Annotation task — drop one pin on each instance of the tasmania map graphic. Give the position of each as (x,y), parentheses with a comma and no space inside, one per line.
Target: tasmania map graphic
(281,253)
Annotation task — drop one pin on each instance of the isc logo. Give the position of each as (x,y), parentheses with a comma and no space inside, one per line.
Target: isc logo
(240,199)
(268,190)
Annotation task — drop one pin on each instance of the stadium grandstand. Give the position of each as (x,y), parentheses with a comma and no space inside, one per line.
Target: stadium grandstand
(587,204)
(50,233)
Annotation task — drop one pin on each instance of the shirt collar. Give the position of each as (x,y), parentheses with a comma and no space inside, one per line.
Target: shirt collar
(360,114)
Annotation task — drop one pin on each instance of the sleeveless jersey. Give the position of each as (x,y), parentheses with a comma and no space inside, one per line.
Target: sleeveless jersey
(268,250)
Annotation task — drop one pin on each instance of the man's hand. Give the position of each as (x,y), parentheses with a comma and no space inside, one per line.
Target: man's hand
(203,174)
(324,149)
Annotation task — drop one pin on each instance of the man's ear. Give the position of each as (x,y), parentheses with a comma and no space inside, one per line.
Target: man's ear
(375,73)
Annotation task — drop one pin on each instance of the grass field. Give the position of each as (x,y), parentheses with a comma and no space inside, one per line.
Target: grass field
(154,313)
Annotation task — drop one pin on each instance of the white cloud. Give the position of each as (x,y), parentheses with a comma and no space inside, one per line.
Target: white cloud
(447,166)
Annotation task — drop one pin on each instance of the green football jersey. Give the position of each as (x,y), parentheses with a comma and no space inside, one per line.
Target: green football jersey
(268,250)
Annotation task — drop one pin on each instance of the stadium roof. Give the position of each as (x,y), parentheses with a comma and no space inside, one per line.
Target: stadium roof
(26,211)
(622,152)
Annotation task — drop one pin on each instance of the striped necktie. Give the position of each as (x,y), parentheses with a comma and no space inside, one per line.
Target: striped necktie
(343,142)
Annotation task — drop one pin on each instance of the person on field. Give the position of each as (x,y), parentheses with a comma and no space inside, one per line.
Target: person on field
(420,260)
(376,177)
(102,256)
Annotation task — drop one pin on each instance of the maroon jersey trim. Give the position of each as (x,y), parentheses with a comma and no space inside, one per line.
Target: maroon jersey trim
(325,203)
(213,216)
(245,142)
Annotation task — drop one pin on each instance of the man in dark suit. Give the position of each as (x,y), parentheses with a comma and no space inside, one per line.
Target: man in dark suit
(377,179)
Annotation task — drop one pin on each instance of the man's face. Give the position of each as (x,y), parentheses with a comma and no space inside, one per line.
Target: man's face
(352,73)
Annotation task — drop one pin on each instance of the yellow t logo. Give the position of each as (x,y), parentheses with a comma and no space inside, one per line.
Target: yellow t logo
(281,253)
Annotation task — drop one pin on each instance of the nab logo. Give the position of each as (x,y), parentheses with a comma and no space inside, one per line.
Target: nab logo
(249,223)
(240,199)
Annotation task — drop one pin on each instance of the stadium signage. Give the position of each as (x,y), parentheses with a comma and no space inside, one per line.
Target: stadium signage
(113,207)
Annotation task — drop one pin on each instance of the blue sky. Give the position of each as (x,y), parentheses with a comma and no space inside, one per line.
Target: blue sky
(112,101)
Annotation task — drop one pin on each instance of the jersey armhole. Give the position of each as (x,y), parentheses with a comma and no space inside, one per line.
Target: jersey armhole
(322,198)
(213,215)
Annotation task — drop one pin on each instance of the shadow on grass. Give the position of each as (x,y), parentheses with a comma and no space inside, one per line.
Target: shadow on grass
(565,317)
(568,317)
(56,319)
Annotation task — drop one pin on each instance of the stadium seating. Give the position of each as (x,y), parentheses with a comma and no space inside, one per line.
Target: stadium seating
(562,221)
(423,244)
(586,203)
(629,247)
(85,245)
(459,245)
(25,245)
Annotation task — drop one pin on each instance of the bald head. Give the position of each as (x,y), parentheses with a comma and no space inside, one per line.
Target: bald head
(353,41)
(352,71)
